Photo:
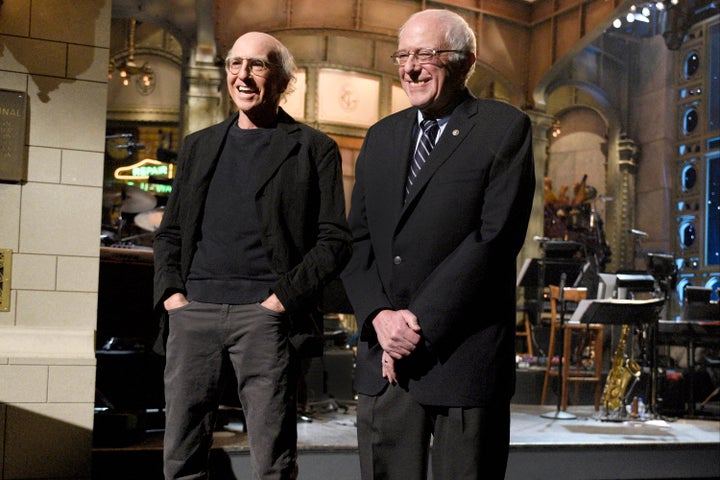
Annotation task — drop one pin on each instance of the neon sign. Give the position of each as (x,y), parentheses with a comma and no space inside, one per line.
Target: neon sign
(145,169)
(139,174)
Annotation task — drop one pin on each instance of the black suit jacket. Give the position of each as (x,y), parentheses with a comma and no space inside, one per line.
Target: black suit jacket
(300,206)
(448,253)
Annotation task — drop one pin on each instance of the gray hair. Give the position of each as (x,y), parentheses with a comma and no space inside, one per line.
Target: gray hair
(458,35)
(287,65)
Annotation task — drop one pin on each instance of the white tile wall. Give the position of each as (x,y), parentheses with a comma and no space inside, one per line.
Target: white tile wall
(82,168)
(60,219)
(9,216)
(54,98)
(24,384)
(46,346)
(71,384)
(88,63)
(15,19)
(10,80)
(52,223)
(44,164)
(56,359)
(28,54)
(36,272)
(56,309)
(50,21)
(77,274)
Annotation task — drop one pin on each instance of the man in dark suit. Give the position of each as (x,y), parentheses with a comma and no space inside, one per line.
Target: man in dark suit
(253,230)
(438,219)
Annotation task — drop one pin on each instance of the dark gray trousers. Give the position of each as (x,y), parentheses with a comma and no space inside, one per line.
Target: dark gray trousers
(394,435)
(255,340)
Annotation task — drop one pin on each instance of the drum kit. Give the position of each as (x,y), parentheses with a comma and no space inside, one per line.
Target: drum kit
(130,216)
(576,219)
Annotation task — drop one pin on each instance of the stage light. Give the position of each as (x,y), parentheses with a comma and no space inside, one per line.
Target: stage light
(617,23)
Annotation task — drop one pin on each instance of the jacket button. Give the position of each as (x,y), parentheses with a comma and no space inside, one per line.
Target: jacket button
(397,260)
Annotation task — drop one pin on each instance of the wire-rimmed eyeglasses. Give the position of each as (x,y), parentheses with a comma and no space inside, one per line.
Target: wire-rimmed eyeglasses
(255,66)
(424,55)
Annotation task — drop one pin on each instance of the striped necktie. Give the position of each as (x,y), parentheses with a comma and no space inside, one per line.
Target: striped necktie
(422,153)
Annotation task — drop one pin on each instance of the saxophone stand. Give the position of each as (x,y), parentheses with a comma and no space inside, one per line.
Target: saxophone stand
(639,313)
(559,414)
(620,415)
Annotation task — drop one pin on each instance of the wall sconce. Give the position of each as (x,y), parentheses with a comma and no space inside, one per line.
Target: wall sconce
(555,129)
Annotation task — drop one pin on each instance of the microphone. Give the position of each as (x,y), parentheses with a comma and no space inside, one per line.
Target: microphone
(639,233)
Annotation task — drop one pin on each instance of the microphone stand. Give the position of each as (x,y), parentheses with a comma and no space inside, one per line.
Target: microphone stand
(559,414)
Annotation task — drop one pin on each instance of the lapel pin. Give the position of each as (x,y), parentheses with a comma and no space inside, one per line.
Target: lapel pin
(456,132)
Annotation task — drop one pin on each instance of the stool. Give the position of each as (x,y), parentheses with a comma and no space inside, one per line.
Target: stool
(524,329)
(590,335)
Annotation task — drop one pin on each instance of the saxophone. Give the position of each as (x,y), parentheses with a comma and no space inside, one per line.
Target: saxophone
(622,372)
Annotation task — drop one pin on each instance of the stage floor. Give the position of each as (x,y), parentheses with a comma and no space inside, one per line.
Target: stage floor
(541,448)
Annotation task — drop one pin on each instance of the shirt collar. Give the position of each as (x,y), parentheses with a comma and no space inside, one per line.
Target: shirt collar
(442,121)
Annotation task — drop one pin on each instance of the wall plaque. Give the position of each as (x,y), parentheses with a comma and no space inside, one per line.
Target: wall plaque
(5,275)
(347,97)
(13,122)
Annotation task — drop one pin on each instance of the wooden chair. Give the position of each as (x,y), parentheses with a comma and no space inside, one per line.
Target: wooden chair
(524,330)
(573,370)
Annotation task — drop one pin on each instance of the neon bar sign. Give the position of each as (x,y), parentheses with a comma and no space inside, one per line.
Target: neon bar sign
(139,173)
(145,169)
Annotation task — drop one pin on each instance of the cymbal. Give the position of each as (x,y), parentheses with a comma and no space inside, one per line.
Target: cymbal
(129,199)
(150,220)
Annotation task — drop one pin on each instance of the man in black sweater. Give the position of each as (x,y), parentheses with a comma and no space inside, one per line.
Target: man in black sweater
(253,230)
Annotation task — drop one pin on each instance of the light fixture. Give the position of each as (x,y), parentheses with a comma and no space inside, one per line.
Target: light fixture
(642,19)
(127,68)
(555,129)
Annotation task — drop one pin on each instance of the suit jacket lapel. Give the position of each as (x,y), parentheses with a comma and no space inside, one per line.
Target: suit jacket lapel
(211,147)
(282,143)
(458,127)
(401,151)
(203,169)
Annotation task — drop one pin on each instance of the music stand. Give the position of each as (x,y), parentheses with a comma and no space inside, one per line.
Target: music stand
(538,273)
(625,312)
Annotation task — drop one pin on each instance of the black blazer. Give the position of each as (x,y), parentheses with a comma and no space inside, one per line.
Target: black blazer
(300,206)
(448,253)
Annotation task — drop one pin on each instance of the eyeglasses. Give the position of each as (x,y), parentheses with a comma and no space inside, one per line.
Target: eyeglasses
(256,66)
(424,55)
